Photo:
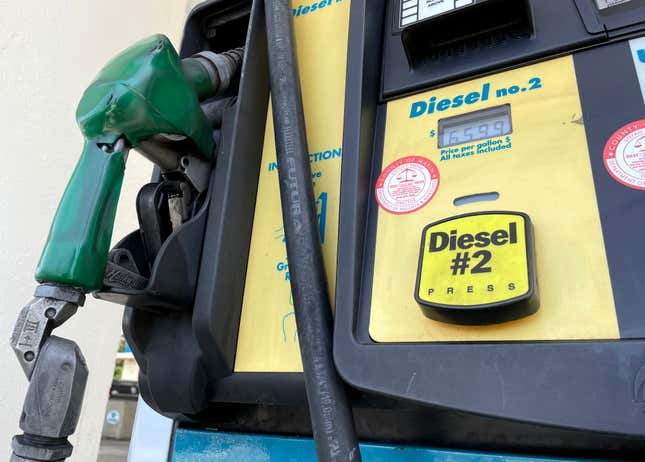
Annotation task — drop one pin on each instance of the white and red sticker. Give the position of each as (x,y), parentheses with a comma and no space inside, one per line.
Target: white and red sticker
(407,184)
(624,155)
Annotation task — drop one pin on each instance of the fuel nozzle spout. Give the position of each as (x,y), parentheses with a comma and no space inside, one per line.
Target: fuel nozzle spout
(211,73)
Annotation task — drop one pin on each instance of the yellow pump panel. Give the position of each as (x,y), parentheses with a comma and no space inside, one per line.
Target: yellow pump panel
(542,169)
(267,339)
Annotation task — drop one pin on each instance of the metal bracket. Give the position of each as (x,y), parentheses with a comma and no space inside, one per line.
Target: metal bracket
(53,403)
(35,322)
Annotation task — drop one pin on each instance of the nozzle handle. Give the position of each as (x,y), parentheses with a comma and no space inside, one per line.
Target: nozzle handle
(77,248)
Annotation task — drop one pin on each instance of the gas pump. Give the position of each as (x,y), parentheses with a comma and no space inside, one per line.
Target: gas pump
(477,172)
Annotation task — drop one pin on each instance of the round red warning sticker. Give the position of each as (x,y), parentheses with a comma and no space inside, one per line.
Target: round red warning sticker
(407,184)
(624,155)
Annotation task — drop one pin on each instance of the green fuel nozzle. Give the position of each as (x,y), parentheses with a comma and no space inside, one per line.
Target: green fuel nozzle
(144,92)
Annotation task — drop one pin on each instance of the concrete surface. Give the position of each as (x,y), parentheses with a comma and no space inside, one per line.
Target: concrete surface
(119,418)
(113,450)
(49,52)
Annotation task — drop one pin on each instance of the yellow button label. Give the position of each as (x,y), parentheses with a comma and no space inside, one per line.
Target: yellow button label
(474,260)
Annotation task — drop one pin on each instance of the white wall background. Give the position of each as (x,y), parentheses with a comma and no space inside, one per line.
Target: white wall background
(49,51)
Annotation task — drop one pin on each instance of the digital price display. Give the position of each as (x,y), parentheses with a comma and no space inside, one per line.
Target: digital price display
(475,126)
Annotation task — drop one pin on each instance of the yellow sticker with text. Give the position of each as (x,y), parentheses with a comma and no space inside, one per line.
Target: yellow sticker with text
(477,268)
(474,260)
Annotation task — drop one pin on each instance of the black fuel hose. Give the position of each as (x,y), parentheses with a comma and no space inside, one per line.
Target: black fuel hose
(329,409)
